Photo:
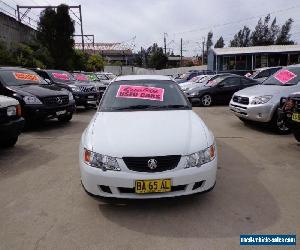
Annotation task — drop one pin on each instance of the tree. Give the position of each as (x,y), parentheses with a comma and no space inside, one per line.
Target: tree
(209,41)
(220,43)
(156,57)
(5,56)
(79,60)
(95,63)
(284,36)
(242,38)
(56,30)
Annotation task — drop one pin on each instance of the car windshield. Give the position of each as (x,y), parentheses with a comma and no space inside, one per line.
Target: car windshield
(284,77)
(215,81)
(111,76)
(20,77)
(183,76)
(61,76)
(91,77)
(143,95)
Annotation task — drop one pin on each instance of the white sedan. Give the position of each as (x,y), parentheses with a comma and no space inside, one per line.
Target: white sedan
(146,142)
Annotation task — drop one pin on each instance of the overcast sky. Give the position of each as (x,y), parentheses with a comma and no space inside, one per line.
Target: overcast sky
(121,20)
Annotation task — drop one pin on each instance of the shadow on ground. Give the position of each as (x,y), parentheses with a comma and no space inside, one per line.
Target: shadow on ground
(239,204)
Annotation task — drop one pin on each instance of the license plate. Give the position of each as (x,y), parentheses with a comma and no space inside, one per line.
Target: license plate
(91,97)
(296,117)
(61,112)
(152,186)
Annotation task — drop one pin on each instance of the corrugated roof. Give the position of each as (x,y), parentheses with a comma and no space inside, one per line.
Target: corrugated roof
(256,49)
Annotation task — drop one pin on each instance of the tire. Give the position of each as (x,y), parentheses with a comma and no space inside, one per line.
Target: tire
(244,120)
(9,142)
(206,100)
(296,133)
(65,118)
(279,125)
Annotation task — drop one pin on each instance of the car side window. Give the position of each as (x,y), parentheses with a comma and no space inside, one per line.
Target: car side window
(245,81)
(264,73)
(231,82)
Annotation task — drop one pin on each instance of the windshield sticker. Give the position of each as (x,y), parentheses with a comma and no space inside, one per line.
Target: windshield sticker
(81,77)
(141,92)
(284,76)
(61,76)
(26,77)
(92,77)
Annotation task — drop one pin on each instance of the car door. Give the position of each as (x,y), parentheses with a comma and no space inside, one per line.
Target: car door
(227,88)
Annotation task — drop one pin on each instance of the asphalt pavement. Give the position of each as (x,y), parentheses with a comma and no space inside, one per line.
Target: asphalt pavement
(43,206)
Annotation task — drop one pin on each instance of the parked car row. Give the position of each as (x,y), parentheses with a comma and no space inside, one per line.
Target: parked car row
(32,95)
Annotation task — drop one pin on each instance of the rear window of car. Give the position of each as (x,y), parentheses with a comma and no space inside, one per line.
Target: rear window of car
(20,77)
(143,95)
(285,77)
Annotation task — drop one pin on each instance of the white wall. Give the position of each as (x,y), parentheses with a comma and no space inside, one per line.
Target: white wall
(129,70)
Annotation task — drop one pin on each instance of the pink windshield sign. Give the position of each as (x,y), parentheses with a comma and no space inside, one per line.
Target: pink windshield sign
(61,76)
(285,76)
(81,77)
(141,92)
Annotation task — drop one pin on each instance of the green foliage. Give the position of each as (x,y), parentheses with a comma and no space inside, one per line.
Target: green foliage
(209,41)
(242,38)
(95,63)
(56,30)
(264,33)
(220,43)
(156,57)
(5,57)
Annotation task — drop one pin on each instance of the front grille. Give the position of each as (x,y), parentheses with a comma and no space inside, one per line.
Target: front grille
(87,89)
(241,99)
(140,164)
(124,190)
(56,100)
(102,88)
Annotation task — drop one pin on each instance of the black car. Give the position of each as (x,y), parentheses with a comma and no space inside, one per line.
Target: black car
(290,112)
(11,122)
(38,99)
(219,89)
(85,93)
(191,74)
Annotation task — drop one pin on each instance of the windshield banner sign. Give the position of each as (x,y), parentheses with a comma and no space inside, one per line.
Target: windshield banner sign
(26,77)
(141,92)
(284,76)
(61,76)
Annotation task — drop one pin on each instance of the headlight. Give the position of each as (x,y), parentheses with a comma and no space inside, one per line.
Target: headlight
(201,157)
(12,111)
(71,96)
(31,100)
(261,99)
(103,162)
(193,94)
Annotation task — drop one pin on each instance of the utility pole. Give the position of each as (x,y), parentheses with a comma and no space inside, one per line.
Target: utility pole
(203,45)
(165,43)
(181,52)
(81,28)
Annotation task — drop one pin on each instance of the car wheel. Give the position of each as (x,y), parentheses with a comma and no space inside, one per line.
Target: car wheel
(206,100)
(65,118)
(279,125)
(9,142)
(297,134)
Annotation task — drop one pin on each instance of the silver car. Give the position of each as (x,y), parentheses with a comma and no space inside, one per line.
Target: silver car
(260,103)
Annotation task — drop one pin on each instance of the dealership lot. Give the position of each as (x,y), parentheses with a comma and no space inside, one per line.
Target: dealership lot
(43,205)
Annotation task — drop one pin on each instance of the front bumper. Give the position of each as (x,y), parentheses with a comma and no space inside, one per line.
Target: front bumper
(122,183)
(258,113)
(12,128)
(41,111)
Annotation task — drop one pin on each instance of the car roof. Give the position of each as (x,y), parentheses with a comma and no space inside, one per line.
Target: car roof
(142,77)
(12,68)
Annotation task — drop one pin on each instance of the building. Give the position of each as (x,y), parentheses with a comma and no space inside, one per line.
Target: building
(111,52)
(12,31)
(245,59)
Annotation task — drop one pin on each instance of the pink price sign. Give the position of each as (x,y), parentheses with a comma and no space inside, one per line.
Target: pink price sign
(141,92)
(61,76)
(284,76)
(81,77)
